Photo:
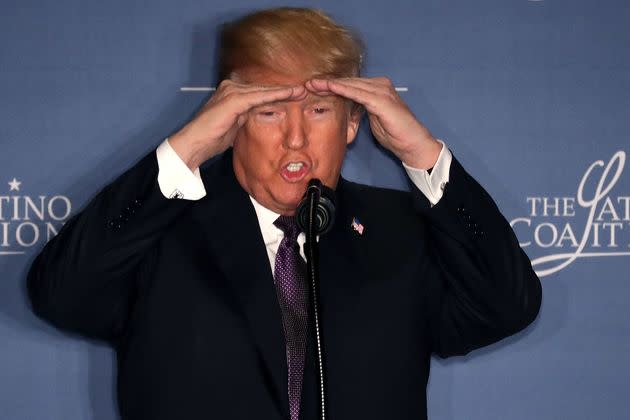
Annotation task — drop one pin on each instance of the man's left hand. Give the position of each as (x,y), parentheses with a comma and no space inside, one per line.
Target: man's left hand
(392,122)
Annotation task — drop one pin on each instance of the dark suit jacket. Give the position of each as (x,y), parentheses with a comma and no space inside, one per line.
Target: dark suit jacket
(184,292)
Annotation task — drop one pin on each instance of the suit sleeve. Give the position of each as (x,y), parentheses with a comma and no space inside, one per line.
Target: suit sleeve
(482,287)
(86,278)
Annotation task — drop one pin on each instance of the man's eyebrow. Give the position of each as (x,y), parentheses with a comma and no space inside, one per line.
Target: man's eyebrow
(274,103)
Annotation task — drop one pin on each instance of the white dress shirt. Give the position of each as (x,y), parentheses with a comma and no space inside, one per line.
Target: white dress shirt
(177,181)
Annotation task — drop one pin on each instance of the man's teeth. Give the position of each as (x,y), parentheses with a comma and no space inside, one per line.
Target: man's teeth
(294,167)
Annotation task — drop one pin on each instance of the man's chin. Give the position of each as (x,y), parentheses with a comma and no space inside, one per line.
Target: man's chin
(289,203)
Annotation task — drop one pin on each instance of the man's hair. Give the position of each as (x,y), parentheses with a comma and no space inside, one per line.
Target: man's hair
(286,39)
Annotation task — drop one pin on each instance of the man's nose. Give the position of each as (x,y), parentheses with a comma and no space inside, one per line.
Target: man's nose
(295,137)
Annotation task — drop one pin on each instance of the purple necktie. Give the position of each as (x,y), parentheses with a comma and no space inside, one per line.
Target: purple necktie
(291,288)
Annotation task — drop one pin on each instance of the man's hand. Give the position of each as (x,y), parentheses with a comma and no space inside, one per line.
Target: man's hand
(214,128)
(392,122)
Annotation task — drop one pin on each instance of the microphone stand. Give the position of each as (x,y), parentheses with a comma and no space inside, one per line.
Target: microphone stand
(312,270)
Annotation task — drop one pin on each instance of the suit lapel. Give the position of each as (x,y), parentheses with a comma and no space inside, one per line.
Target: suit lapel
(228,223)
(342,258)
(342,269)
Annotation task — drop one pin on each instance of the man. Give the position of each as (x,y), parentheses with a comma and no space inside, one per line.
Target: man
(187,272)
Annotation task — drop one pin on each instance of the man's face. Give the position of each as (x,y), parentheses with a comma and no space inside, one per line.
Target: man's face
(282,145)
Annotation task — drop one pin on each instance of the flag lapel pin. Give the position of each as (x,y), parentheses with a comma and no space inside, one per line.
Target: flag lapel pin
(357,226)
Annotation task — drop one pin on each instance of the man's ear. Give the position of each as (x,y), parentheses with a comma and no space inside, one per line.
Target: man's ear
(356,112)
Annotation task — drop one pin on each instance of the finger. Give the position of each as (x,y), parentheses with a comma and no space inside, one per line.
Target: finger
(299,93)
(296,92)
(318,85)
(359,95)
(320,88)
(227,87)
(383,81)
(370,85)
(259,97)
(374,85)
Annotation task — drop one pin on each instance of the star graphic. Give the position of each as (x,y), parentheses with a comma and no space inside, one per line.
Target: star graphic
(14,185)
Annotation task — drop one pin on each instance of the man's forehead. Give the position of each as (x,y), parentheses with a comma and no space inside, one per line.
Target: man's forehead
(266,76)
(313,97)
(310,98)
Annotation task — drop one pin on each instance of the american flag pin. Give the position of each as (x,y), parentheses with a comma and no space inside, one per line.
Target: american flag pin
(357,226)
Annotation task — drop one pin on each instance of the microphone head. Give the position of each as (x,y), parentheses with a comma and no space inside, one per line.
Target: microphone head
(324,208)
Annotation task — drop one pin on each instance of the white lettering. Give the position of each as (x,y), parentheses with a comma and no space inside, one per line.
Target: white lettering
(16,209)
(51,231)
(595,242)
(533,201)
(67,203)
(608,208)
(2,199)
(615,167)
(39,211)
(5,234)
(612,226)
(20,228)
(567,206)
(567,234)
(528,222)
(554,235)
(554,205)
(626,213)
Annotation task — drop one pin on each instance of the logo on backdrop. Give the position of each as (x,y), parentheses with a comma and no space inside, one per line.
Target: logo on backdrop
(26,221)
(594,223)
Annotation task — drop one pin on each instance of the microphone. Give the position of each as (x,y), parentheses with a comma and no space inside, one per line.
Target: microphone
(324,201)
(315,216)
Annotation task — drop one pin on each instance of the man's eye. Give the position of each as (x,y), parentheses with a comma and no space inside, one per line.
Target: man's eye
(268,114)
(320,110)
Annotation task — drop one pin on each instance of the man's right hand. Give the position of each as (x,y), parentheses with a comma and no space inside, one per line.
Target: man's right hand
(214,128)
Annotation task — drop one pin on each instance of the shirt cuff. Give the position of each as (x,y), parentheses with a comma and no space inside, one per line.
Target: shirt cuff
(432,184)
(175,178)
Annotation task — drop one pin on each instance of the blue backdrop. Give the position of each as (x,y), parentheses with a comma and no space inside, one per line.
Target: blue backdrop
(532,97)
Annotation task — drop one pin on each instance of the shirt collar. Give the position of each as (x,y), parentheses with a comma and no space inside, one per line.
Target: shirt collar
(266,218)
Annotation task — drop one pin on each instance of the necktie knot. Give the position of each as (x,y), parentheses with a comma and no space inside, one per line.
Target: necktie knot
(288,225)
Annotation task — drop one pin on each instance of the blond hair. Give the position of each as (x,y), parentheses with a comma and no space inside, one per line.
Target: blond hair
(286,40)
